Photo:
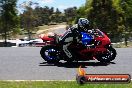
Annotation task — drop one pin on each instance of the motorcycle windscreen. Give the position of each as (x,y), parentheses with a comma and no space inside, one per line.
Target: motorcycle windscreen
(86,38)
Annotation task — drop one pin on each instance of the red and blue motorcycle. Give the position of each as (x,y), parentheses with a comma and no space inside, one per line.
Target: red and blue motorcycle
(95,45)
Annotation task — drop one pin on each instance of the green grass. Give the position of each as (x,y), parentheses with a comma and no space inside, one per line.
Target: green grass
(122,45)
(58,84)
(43,27)
(46,27)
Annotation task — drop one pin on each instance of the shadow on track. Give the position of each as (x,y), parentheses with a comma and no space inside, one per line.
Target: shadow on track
(76,64)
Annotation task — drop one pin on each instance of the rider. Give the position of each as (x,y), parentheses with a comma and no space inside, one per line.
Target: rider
(74,34)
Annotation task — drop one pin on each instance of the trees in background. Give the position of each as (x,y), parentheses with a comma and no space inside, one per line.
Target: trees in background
(32,18)
(126,6)
(111,16)
(28,21)
(57,17)
(43,15)
(70,14)
(9,21)
(104,15)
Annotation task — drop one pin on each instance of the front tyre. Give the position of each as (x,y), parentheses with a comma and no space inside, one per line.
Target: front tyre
(107,56)
(50,54)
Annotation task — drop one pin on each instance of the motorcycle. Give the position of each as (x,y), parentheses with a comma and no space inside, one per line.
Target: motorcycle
(99,48)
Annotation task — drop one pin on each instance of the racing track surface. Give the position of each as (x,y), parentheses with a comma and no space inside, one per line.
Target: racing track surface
(26,64)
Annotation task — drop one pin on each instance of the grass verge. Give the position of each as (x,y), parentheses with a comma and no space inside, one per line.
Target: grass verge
(46,28)
(122,45)
(58,84)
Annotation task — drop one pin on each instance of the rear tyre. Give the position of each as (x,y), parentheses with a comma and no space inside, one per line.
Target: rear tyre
(108,56)
(50,54)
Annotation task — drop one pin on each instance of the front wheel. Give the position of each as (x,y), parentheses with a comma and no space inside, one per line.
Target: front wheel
(50,54)
(107,56)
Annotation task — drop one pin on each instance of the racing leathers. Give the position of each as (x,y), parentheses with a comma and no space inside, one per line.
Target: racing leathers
(71,35)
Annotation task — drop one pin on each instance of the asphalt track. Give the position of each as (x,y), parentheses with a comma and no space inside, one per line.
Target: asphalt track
(26,64)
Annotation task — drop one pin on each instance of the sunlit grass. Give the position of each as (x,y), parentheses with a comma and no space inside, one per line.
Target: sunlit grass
(58,84)
(122,45)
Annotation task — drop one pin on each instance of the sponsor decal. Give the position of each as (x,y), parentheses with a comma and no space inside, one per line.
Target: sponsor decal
(82,77)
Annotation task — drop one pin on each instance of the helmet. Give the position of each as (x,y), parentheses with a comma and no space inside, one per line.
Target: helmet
(83,24)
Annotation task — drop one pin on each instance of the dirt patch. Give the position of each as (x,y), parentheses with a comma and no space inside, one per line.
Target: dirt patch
(51,28)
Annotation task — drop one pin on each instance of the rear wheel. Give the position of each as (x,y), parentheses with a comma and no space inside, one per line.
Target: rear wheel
(50,54)
(107,56)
